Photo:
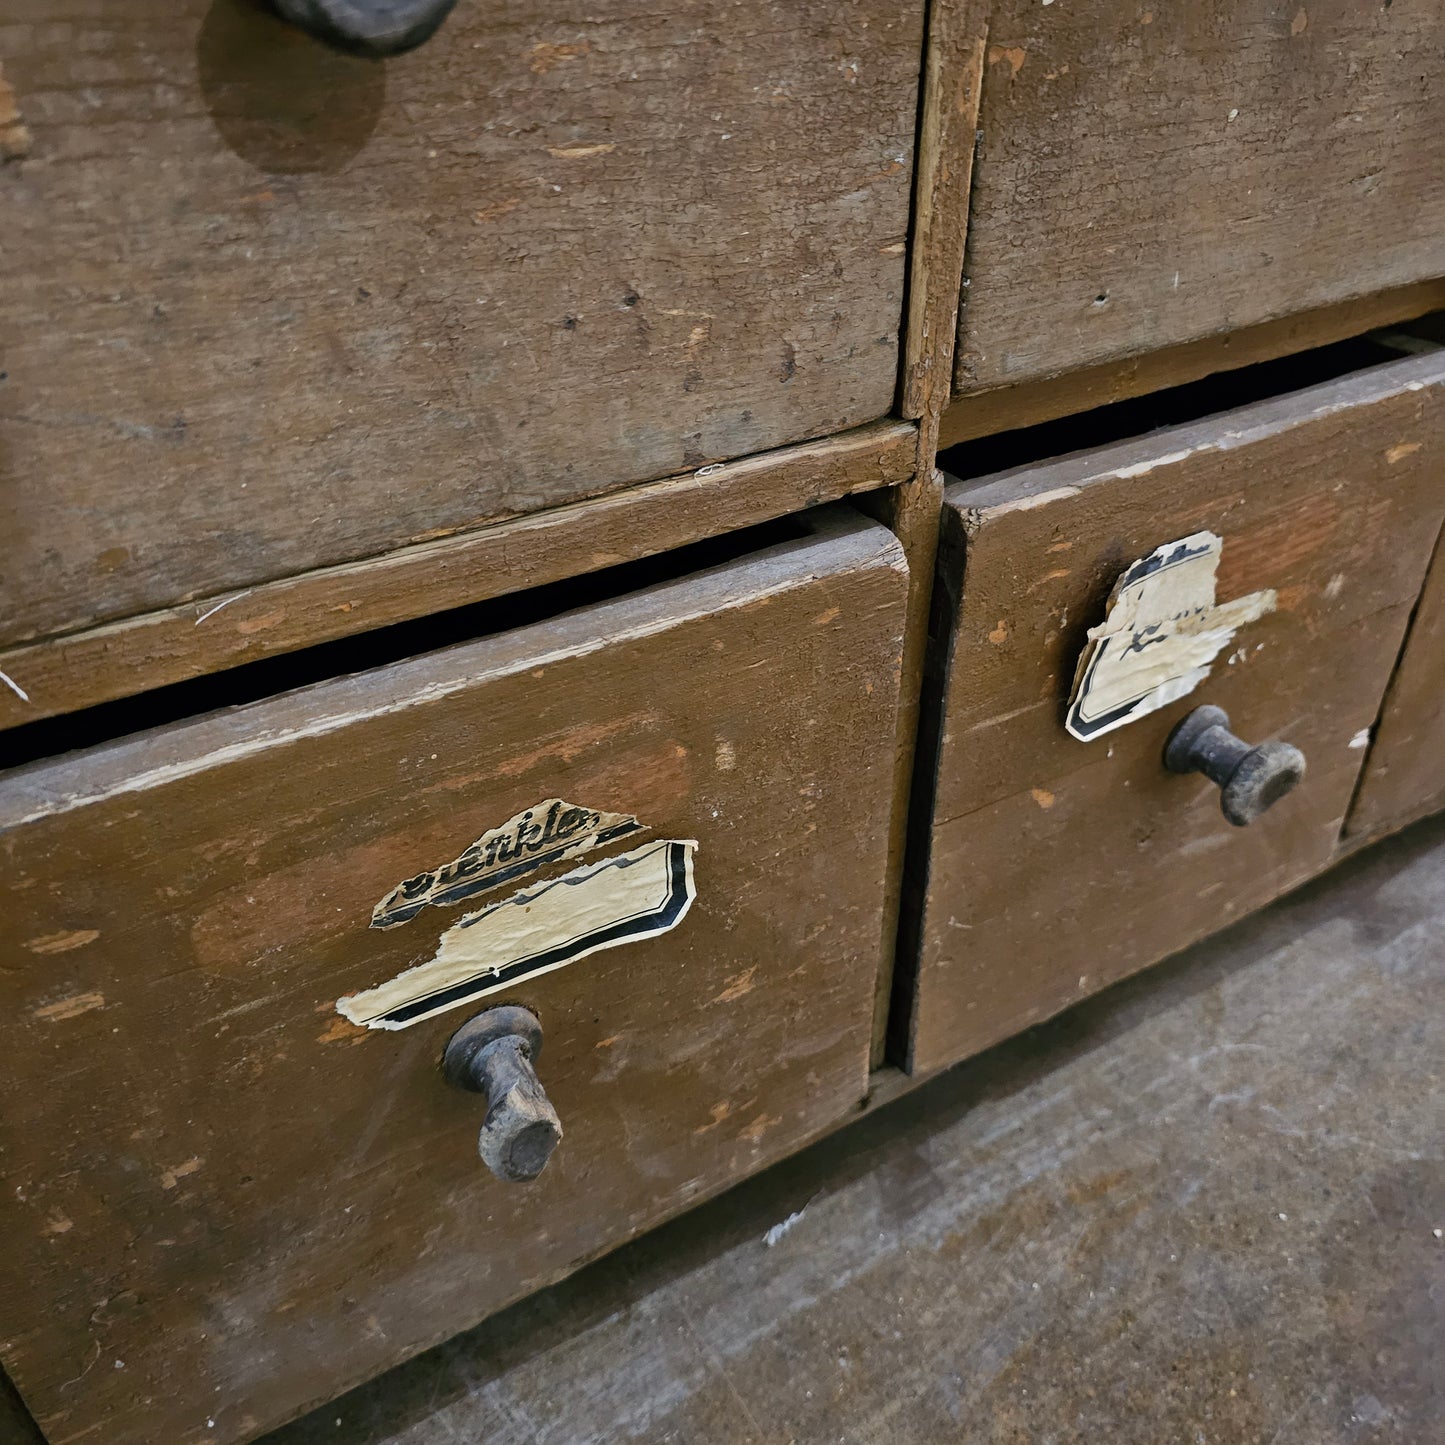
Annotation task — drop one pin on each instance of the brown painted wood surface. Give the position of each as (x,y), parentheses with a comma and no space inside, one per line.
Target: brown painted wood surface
(268,309)
(1150,175)
(947,128)
(120,659)
(17,1427)
(222,1203)
(1006,408)
(1405,773)
(1055,867)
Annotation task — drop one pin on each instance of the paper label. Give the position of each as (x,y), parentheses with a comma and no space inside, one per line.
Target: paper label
(1162,631)
(620,900)
(547,833)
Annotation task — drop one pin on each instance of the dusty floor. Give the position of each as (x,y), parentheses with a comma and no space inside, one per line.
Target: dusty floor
(1204,1207)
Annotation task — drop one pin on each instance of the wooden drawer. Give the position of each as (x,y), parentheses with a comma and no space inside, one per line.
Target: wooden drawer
(269,308)
(1153,175)
(1056,866)
(223,1202)
(1404,775)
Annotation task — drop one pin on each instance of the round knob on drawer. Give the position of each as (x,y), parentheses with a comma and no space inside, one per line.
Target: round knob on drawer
(492,1054)
(374,28)
(1250,779)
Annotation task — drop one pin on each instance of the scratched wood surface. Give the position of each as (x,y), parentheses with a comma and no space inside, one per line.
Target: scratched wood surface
(947,124)
(1151,174)
(1405,773)
(118,659)
(1054,867)
(268,309)
(222,1203)
(1028,403)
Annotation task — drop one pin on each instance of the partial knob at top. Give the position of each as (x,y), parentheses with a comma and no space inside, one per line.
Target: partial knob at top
(1250,779)
(492,1054)
(373,28)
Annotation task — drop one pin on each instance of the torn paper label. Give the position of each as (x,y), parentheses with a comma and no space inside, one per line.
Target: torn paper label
(547,833)
(1162,631)
(633,896)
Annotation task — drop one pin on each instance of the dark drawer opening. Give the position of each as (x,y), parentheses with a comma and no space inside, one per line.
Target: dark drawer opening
(1223,391)
(254,681)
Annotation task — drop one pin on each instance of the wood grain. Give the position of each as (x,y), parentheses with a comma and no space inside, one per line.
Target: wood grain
(911,512)
(268,309)
(1151,175)
(1006,408)
(1405,774)
(120,659)
(1055,867)
(947,127)
(17,1426)
(952,90)
(253,1205)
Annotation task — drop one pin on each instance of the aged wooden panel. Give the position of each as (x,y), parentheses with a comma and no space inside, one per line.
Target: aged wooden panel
(269,308)
(1405,773)
(1005,408)
(17,1427)
(223,1203)
(1150,175)
(947,126)
(119,659)
(1054,867)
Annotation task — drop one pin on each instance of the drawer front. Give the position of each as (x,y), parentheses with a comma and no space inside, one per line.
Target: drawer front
(1405,772)
(269,308)
(238,1202)
(1154,175)
(1058,866)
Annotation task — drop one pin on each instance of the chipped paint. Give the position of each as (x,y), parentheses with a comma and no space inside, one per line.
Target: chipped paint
(737,986)
(62,942)
(342,1031)
(1015,55)
(1168,459)
(69,1008)
(760,1126)
(496,210)
(547,56)
(173,1176)
(1033,503)
(114,784)
(717,1113)
(582,152)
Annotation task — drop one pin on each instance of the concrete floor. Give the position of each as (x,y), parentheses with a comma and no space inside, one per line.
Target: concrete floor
(1203,1207)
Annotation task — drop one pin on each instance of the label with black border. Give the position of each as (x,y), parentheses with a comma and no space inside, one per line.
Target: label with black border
(546,833)
(619,900)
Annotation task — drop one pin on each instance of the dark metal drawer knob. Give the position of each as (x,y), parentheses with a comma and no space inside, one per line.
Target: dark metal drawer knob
(493,1054)
(1250,779)
(374,28)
